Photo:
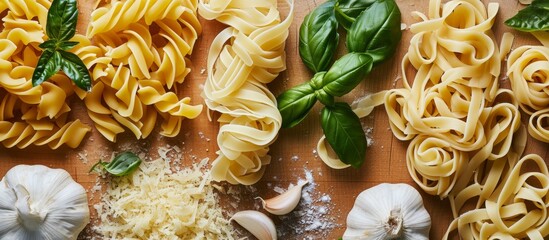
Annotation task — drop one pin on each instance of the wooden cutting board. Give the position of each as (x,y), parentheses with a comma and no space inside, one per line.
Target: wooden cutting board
(294,149)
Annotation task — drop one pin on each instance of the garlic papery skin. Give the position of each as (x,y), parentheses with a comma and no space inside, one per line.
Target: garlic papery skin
(388,211)
(257,223)
(285,202)
(40,203)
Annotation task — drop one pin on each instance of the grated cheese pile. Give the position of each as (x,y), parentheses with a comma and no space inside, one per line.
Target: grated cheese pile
(156,203)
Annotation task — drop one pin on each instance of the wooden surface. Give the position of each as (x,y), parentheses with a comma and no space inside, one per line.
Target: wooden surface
(385,158)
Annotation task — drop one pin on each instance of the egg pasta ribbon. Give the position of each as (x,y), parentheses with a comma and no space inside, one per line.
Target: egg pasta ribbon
(465,133)
(243,58)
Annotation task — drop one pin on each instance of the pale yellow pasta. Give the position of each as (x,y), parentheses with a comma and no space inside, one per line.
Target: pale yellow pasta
(141,56)
(243,58)
(466,134)
(32,115)
(528,69)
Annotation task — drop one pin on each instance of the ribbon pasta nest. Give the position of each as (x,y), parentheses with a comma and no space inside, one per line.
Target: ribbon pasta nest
(137,58)
(466,134)
(243,58)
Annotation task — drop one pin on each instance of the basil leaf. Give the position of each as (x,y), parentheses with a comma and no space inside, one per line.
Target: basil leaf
(75,69)
(295,104)
(49,44)
(68,45)
(346,73)
(48,65)
(346,11)
(376,31)
(344,133)
(535,17)
(122,164)
(318,38)
(62,18)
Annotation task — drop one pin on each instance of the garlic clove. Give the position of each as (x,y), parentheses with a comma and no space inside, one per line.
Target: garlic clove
(285,202)
(257,223)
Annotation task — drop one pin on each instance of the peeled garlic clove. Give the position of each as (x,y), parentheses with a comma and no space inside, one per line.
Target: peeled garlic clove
(257,223)
(286,202)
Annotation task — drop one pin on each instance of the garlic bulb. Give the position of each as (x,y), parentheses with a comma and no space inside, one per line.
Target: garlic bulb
(388,211)
(40,203)
(257,223)
(285,202)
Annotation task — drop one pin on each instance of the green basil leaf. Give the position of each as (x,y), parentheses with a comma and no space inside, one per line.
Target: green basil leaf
(348,10)
(62,18)
(295,104)
(346,73)
(318,37)
(68,45)
(49,44)
(49,64)
(122,164)
(75,69)
(344,133)
(376,31)
(534,17)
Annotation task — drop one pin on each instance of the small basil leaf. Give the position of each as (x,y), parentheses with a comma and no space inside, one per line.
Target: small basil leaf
(75,69)
(346,73)
(344,133)
(62,18)
(318,37)
(295,104)
(49,44)
(348,10)
(68,45)
(376,31)
(49,64)
(122,164)
(535,17)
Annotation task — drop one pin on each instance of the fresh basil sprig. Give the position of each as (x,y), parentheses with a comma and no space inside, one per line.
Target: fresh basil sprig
(318,38)
(376,31)
(534,17)
(373,36)
(122,164)
(60,28)
(344,133)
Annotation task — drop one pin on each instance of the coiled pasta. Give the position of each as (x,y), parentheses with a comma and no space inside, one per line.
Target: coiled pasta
(242,59)
(32,115)
(465,132)
(140,55)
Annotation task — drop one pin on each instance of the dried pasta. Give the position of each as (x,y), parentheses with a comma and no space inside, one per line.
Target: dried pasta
(139,59)
(32,115)
(465,133)
(527,69)
(243,58)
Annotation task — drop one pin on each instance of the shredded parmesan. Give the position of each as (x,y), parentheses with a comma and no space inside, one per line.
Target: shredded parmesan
(156,203)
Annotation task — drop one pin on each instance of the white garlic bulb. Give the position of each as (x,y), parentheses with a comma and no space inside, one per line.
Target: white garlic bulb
(40,203)
(388,211)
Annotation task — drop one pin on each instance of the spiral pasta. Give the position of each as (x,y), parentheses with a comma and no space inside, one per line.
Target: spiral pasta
(140,57)
(242,59)
(32,115)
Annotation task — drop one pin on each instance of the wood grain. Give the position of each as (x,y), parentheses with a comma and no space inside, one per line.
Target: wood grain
(385,159)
